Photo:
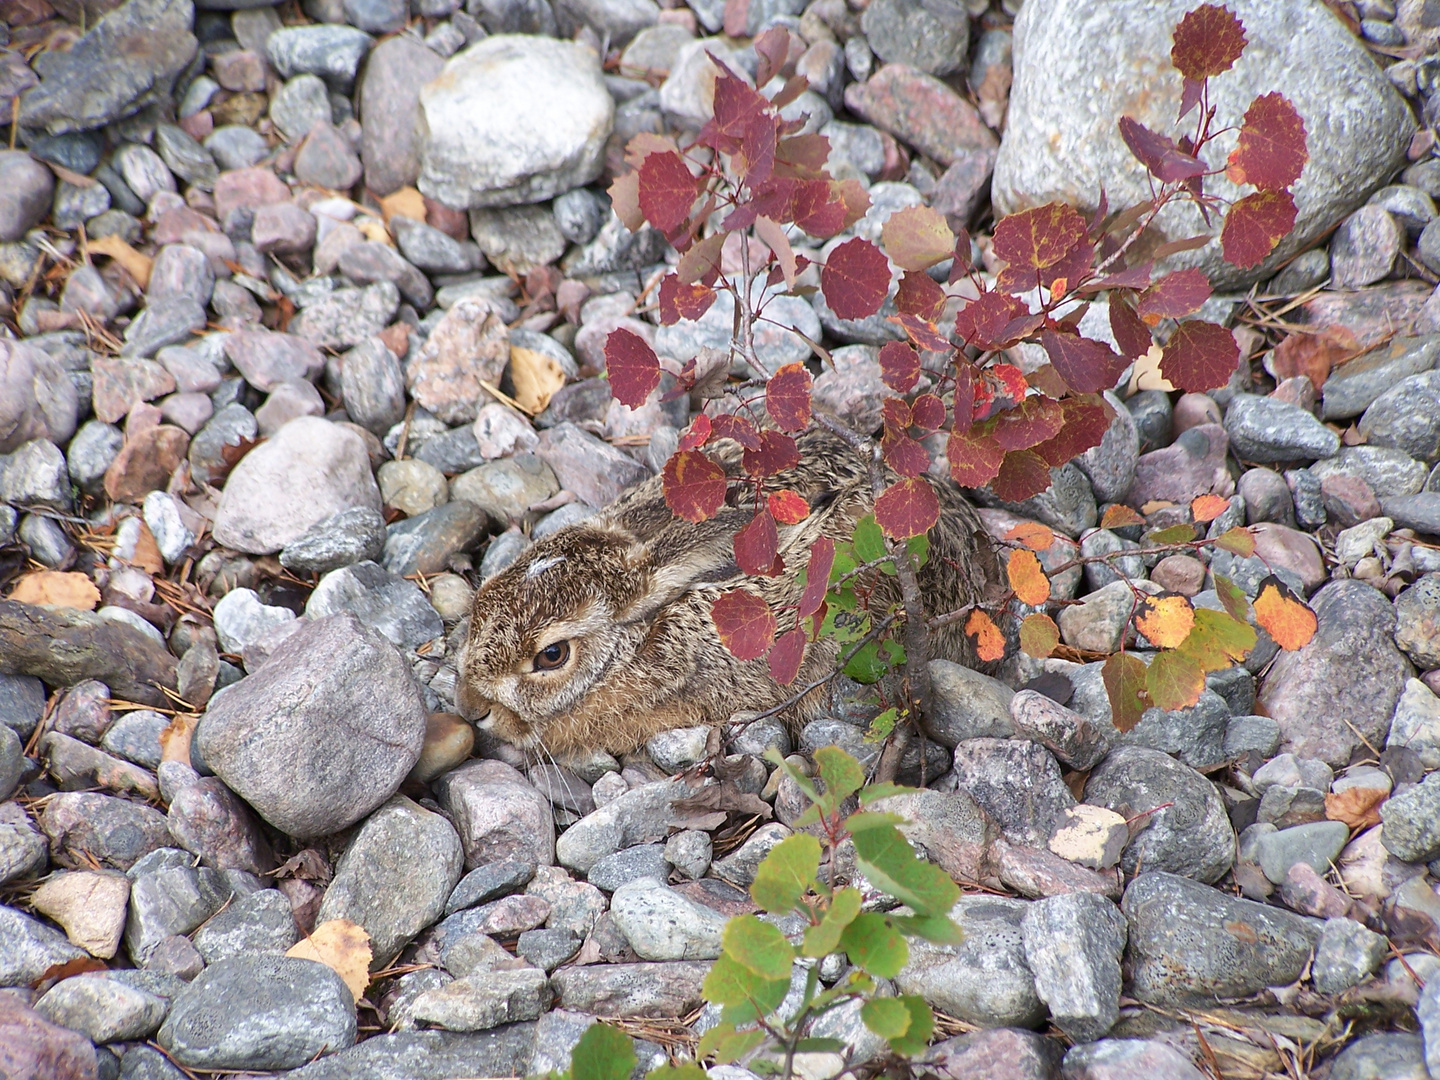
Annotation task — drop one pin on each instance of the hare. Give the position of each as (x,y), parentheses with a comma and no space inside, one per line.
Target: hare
(600,635)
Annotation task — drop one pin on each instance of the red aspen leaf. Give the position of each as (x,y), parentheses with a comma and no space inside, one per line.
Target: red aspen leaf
(793,88)
(679,300)
(1357,807)
(772,47)
(745,623)
(855,279)
(737,103)
(1314,355)
(625,199)
(1085,425)
(632,367)
(1190,93)
(1232,598)
(1132,277)
(962,397)
(1117,516)
(1174,681)
(982,321)
(1087,366)
(974,458)
(989,641)
(667,190)
(697,434)
(701,262)
(787,507)
(1036,240)
(1027,578)
(895,413)
(1023,474)
(755,159)
(1208,507)
(907,508)
(1285,617)
(1033,421)
(924,334)
(1255,225)
(1038,635)
(1124,677)
(817,576)
(1271,151)
(1033,535)
(694,485)
(1199,356)
(787,397)
(777,453)
(920,295)
(802,156)
(917,237)
(739,428)
(1131,334)
(786,655)
(1165,619)
(1158,153)
(1174,295)
(927,412)
(1189,243)
(1238,541)
(775,239)
(819,209)
(1208,41)
(756,544)
(1217,640)
(905,455)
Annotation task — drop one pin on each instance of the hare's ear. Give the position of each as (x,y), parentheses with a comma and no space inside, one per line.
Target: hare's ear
(681,556)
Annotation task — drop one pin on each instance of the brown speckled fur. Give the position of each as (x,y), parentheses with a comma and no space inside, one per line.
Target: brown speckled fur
(631,588)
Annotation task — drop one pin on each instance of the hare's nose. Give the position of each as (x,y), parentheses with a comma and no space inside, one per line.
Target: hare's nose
(470,704)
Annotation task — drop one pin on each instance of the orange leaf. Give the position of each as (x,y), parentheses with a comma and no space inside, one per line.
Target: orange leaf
(1357,807)
(147,552)
(1118,515)
(989,641)
(72,590)
(1033,535)
(1027,578)
(1208,507)
(1039,635)
(1166,620)
(1285,617)
(138,266)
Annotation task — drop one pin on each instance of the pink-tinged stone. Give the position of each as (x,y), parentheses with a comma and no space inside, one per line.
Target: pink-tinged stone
(965,186)
(283,228)
(248,188)
(1296,390)
(119,382)
(289,399)
(267,358)
(1348,500)
(1192,410)
(1290,549)
(922,111)
(1305,891)
(32,1048)
(1194,464)
(175,225)
(468,346)
(145,463)
(1376,314)
(240,69)
(1036,873)
(199,126)
(326,159)
(188,411)
(1181,574)
(211,821)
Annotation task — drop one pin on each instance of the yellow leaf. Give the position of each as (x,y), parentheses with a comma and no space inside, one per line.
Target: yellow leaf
(536,376)
(71,590)
(989,641)
(1146,375)
(1284,615)
(374,229)
(407,202)
(175,739)
(1027,578)
(135,264)
(343,946)
(1165,620)
(147,552)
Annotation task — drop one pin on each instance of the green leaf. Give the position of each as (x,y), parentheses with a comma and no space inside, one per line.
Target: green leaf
(802,781)
(1217,640)
(867,666)
(744,995)
(1175,534)
(875,946)
(872,819)
(765,1067)
(869,540)
(887,1017)
(876,792)
(844,562)
(919,549)
(822,940)
(881,727)
(842,774)
(820,1046)
(603,1053)
(758,946)
(922,1026)
(786,873)
(888,861)
(809,816)
(1233,598)
(941,929)
(727,1044)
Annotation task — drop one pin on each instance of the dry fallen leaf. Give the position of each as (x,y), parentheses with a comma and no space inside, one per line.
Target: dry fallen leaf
(343,946)
(175,739)
(147,552)
(536,377)
(407,202)
(136,265)
(71,590)
(1357,807)
(1146,375)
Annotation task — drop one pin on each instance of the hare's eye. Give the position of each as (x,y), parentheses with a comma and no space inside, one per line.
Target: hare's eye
(552,656)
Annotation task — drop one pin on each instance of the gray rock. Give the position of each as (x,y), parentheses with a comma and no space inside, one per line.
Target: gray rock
(127,61)
(1191,836)
(299,105)
(303,714)
(82,825)
(1114,1059)
(488,882)
(1073,945)
(639,816)
(614,20)
(506,489)
(1017,783)
(593,469)
(331,52)
(933,39)
(580,213)
(369,261)
(373,386)
(1191,943)
(1364,248)
(380,600)
(1068,505)
(389,100)
(1419,512)
(259,1012)
(1406,417)
(484,1000)
(240,619)
(968,705)
(1388,472)
(236,147)
(35,475)
(1058,147)
(1009,1052)
(690,852)
(168,897)
(1383,1056)
(395,876)
(346,317)
(985,980)
(75,205)
(662,924)
(1412,821)
(1194,736)
(343,539)
(22,702)
(259,924)
(517,239)
(1347,955)
(425,543)
(90,453)
(649,989)
(28,948)
(547,949)
(102,1009)
(22,848)
(1269,430)
(230,426)
(423,1055)
(1074,739)
(171,322)
(434,251)
(27,187)
(499,816)
(644,861)
(1111,465)
(493,142)
(1316,844)
(1353,386)
(741,865)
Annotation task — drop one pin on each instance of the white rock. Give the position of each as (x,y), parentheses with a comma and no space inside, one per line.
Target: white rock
(240,619)
(1417,723)
(1090,836)
(662,924)
(172,536)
